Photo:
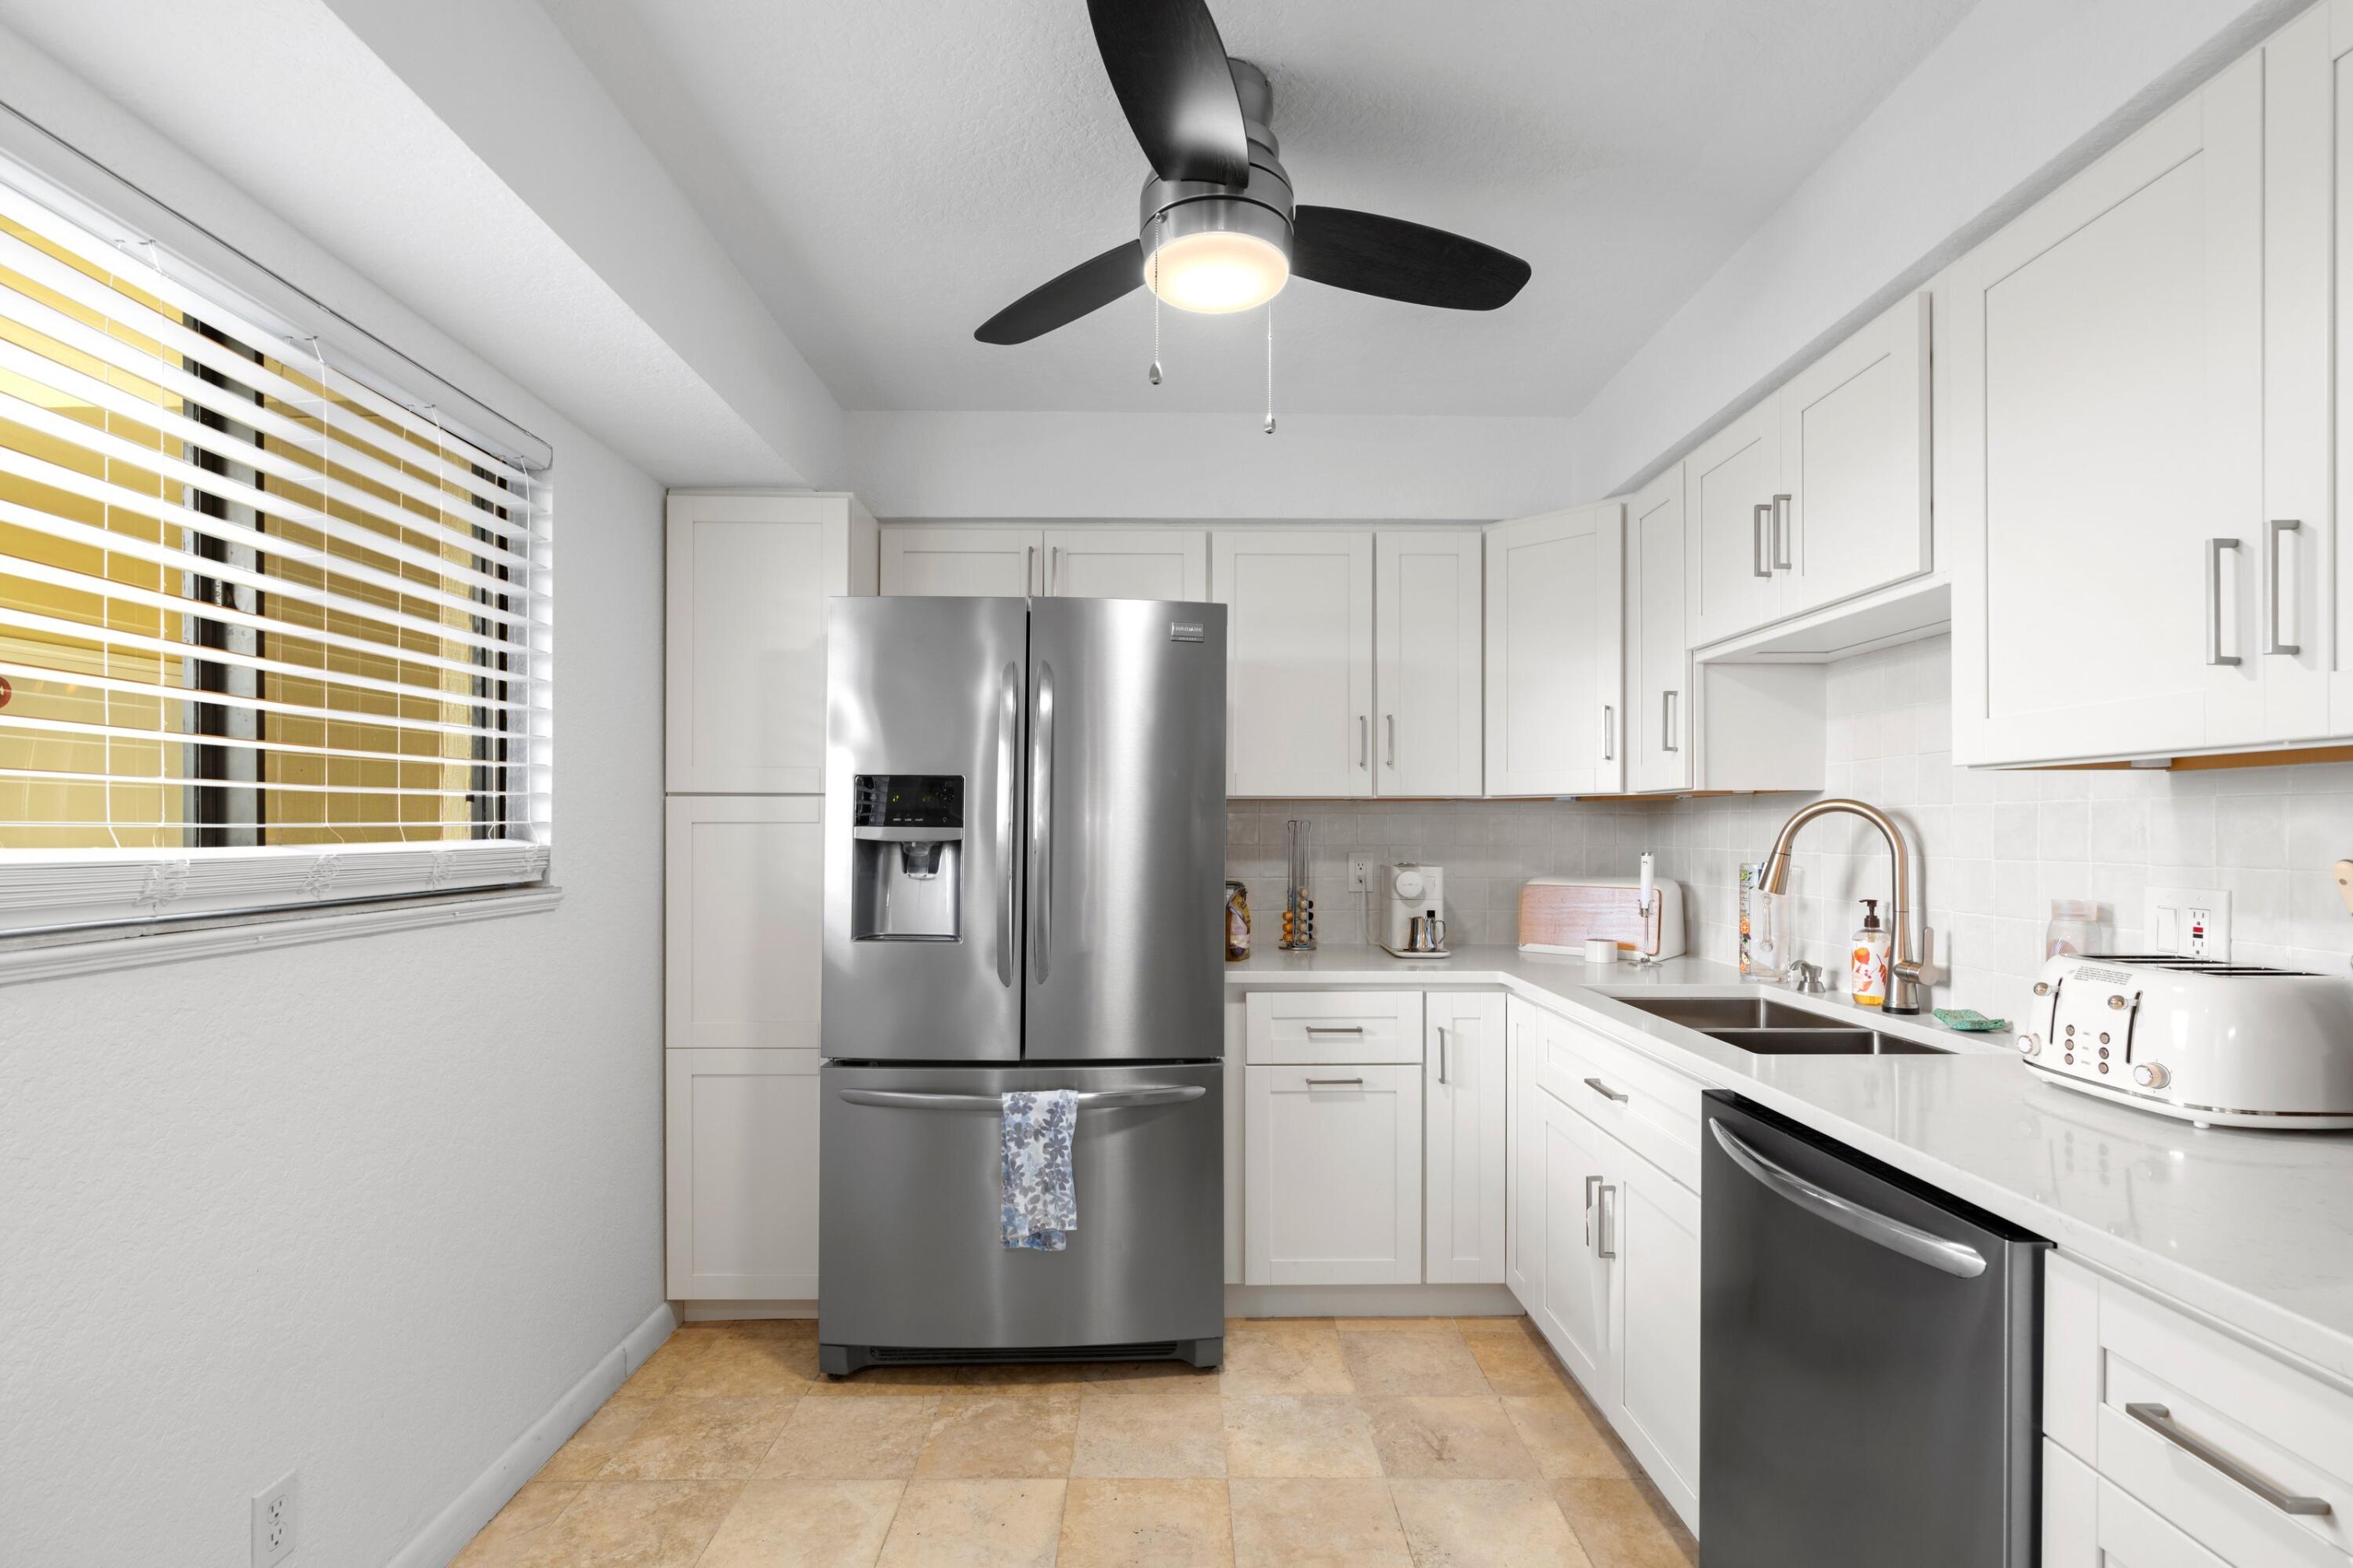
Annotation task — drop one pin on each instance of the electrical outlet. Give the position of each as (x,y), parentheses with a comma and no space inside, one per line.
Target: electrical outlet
(2192,922)
(273,1522)
(1360,873)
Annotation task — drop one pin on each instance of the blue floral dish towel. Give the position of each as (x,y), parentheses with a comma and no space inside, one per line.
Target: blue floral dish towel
(1039,1205)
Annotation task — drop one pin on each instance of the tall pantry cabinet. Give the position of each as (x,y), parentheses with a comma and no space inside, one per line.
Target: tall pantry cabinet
(743,771)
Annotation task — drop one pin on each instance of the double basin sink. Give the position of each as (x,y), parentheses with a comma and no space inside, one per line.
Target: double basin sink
(1771,1027)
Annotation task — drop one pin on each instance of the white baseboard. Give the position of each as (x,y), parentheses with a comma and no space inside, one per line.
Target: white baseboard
(732,1311)
(453,1526)
(1369,1302)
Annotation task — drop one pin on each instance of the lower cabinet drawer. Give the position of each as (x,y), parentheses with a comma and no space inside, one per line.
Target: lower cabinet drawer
(2244,1454)
(1311,1027)
(1654,1109)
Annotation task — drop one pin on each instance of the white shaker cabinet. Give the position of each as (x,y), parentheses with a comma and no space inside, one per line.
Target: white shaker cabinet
(1570,1162)
(741,1184)
(1855,465)
(1654,1324)
(1731,482)
(1524,1234)
(1127,563)
(2128,414)
(1466,1111)
(1427,655)
(1659,688)
(744,667)
(1299,660)
(743,920)
(1332,1181)
(1556,699)
(1003,562)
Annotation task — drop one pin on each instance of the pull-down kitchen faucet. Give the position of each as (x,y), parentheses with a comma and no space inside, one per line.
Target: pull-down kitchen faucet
(1904,967)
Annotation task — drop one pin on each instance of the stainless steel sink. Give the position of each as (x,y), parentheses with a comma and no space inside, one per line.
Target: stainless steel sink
(1772,1028)
(1832,1042)
(1711,1013)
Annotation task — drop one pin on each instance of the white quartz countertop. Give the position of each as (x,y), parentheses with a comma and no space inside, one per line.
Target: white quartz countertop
(2252,1230)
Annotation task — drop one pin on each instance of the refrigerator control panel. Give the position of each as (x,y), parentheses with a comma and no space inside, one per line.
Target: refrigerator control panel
(909,800)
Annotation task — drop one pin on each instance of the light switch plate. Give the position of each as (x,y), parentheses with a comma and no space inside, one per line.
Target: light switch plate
(2192,922)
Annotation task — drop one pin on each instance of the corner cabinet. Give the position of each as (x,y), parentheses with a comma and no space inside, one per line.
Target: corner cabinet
(2141,424)
(1603,1250)
(744,661)
(1466,1108)
(1555,696)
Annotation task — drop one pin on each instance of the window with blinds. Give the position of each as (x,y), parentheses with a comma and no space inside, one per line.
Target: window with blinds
(269,635)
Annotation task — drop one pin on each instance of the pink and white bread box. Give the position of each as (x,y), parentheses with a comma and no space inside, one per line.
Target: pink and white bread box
(1557,914)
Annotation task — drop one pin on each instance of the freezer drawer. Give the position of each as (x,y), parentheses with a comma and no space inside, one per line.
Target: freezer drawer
(909,1248)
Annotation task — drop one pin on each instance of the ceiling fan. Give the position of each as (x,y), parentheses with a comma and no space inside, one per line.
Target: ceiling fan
(1220,231)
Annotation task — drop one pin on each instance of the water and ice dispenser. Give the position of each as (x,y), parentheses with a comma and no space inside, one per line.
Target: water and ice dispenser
(907,858)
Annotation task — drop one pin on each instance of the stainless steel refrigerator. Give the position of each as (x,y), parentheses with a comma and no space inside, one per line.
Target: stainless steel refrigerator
(1024,886)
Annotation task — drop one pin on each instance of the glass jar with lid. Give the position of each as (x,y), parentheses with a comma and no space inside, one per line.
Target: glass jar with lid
(2075,927)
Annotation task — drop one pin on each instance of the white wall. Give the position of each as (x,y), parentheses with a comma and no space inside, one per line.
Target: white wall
(2020,95)
(1210,466)
(362,1210)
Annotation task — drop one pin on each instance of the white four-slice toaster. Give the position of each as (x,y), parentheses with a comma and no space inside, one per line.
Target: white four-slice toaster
(2218,1043)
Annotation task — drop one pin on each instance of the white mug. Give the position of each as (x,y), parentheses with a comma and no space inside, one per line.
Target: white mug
(1601,950)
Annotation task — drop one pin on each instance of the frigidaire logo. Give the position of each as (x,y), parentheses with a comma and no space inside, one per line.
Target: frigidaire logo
(1184,631)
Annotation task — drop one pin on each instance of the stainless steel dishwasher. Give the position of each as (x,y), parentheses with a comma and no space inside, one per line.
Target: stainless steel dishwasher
(1870,1360)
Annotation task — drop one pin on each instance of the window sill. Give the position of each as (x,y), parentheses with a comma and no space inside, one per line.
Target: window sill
(60,954)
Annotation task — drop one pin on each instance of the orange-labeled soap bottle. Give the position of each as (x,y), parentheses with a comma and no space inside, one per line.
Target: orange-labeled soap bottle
(1867,961)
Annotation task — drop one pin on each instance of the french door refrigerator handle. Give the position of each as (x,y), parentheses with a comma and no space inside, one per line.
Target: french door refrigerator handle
(1089,1099)
(1042,820)
(2159,1419)
(1952,1257)
(1009,810)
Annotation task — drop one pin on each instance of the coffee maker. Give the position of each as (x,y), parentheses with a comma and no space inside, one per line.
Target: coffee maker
(1409,899)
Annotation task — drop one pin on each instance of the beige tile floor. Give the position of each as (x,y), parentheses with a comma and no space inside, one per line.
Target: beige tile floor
(1423,1441)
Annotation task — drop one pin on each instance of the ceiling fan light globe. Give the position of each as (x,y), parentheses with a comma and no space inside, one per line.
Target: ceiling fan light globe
(1216,272)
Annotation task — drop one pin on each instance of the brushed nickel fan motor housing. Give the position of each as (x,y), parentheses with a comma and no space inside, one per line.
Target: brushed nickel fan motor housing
(1170,209)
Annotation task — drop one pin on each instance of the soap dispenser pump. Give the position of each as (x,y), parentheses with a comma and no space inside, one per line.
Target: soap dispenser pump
(1867,963)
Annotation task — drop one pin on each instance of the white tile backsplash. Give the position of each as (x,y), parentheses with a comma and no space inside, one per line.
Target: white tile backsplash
(1994,848)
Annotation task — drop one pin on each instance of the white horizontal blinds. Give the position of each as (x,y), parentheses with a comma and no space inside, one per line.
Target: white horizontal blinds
(249,607)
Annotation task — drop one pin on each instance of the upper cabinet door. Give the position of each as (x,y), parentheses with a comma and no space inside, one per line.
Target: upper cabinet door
(1299,660)
(1730,481)
(1854,464)
(748,579)
(1127,563)
(1555,723)
(1658,653)
(1003,563)
(1427,639)
(2106,374)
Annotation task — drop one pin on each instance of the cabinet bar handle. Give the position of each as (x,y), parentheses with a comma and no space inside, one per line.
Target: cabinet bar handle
(1364,739)
(1781,532)
(1667,721)
(1609,733)
(1441,1053)
(2214,654)
(1590,1184)
(1029,569)
(2272,575)
(1601,1221)
(1760,563)
(1336,1029)
(2159,1420)
(1313,1083)
(1605,1091)
(1390,719)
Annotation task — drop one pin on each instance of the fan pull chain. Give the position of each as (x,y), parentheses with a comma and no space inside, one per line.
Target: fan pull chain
(1270,367)
(1163,221)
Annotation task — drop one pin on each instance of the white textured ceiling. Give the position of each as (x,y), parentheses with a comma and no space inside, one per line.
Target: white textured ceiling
(890,173)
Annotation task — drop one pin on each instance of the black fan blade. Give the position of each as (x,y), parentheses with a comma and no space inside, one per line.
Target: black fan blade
(1399,260)
(1089,286)
(1168,66)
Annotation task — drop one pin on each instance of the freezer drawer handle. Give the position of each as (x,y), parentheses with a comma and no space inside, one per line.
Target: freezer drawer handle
(2159,1420)
(1914,1242)
(1089,1099)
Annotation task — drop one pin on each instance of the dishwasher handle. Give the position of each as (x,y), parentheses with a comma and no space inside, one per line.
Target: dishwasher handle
(1952,1257)
(1089,1099)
